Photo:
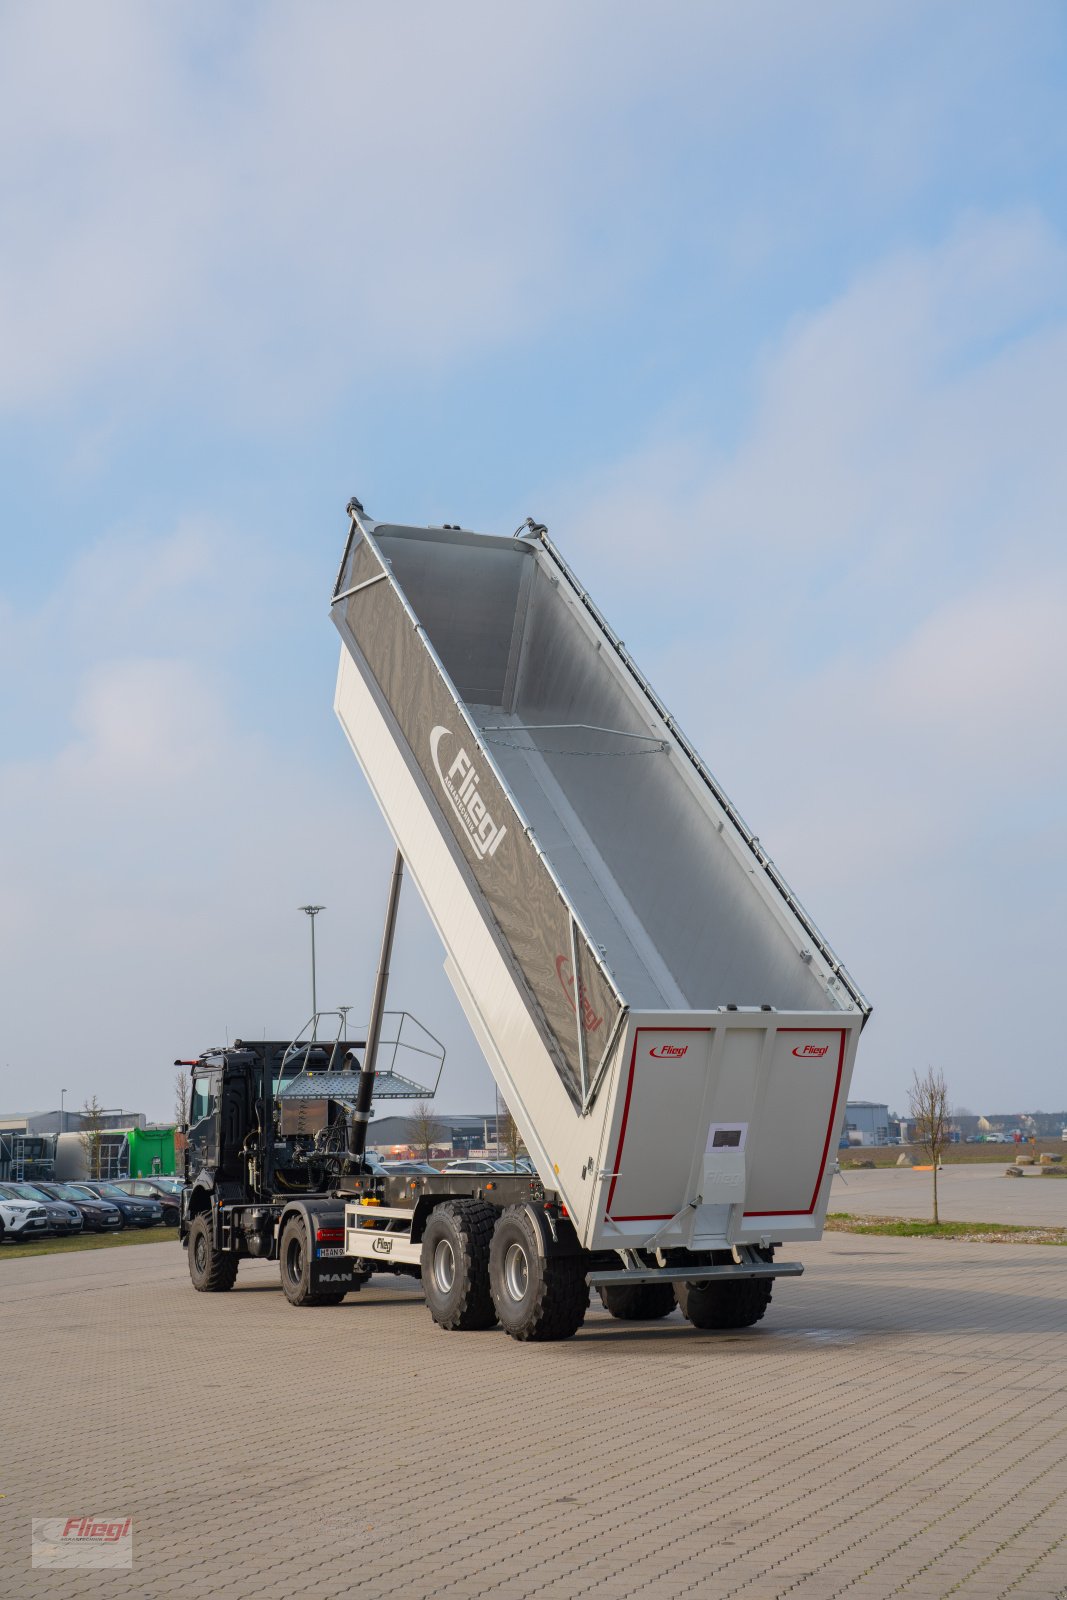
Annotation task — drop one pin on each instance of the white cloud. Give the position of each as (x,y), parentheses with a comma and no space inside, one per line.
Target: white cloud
(860,615)
(154,848)
(319,196)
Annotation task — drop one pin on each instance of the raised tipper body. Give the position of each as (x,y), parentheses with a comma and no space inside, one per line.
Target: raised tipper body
(672,1033)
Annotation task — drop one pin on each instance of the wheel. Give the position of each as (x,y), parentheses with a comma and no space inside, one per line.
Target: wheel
(455,1265)
(294,1259)
(537,1297)
(726,1305)
(638,1302)
(211,1270)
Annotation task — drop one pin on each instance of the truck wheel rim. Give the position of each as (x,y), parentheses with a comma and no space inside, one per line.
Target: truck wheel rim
(200,1252)
(444,1266)
(294,1261)
(516,1272)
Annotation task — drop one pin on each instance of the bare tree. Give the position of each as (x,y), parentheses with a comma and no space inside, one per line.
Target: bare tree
(92,1127)
(508,1135)
(182,1104)
(426,1129)
(181,1098)
(928,1103)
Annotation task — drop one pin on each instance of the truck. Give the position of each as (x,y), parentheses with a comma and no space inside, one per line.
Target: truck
(672,1033)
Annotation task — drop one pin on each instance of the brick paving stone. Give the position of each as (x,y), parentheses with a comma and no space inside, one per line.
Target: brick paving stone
(896,1425)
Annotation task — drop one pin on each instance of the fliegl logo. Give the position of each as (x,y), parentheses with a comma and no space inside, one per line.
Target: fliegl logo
(810,1052)
(669,1052)
(460,781)
(566,977)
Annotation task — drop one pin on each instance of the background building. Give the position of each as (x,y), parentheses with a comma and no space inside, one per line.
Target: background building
(868,1122)
(458,1135)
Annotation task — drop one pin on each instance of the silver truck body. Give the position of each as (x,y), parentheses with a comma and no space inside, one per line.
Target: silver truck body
(673,1035)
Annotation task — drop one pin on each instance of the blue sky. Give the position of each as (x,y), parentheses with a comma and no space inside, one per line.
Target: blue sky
(762,309)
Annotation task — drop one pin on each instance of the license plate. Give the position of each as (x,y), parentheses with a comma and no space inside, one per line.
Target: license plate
(330,1250)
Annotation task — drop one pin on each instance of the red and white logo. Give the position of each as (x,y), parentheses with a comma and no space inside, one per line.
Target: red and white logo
(566,978)
(82,1542)
(810,1052)
(669,1052)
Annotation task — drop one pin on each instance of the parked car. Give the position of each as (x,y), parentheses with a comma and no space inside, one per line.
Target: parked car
(98,1216)
(21,1219)
(136,1212)
(478,1164)
(63,1217)
(153,1189)
(409,1166)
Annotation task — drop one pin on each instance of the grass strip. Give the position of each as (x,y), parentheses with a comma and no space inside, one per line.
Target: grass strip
(87,1241)
(909,1228)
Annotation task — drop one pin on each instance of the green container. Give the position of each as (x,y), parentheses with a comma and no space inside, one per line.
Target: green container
(152,1153)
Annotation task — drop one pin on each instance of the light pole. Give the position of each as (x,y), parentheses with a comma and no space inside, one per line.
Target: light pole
(313,912)
(62,1111)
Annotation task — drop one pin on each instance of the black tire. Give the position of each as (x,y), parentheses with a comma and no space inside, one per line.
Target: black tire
(726,1305)
(211,1271)
(638,1302)
(294,1262)
(455,1265)
(537,1297)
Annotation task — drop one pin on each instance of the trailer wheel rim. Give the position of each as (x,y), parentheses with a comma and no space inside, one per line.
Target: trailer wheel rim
(200,1253)
(516,1271)
(444,1266)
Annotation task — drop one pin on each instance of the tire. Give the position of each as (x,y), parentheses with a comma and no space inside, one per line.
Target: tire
(455,1265)
(294,1263)
(638,1302)
(537,1297)
(211,1271)
(726,1305)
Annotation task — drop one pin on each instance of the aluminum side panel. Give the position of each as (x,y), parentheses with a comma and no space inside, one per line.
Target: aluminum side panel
(557,1136)
(466,797)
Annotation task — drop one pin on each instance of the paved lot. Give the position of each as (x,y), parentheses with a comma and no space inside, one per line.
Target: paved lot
(965,1194)
(896,1426)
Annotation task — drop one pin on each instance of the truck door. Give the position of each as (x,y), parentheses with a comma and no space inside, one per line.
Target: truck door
(204,1120)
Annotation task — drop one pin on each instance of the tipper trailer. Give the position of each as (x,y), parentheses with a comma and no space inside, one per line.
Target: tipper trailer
(672,1033)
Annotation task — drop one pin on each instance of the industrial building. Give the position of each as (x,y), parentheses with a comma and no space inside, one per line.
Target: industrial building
(459,1135)
(868,1122)
(55,1144)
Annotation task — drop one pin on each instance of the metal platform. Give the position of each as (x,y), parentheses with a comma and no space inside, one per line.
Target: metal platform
(342,1086)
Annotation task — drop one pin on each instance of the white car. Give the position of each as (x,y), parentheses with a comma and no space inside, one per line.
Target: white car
(21,1218)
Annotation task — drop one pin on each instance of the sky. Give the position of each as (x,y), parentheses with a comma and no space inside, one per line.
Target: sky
(762,309)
